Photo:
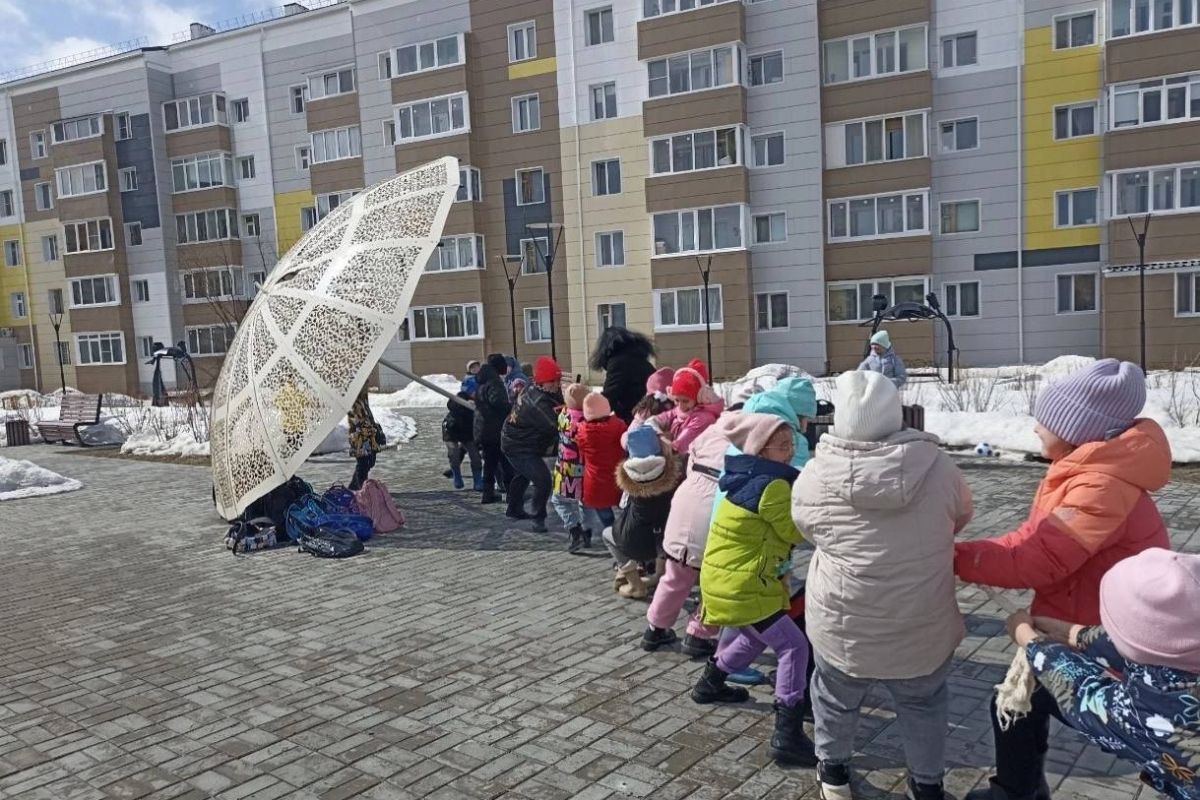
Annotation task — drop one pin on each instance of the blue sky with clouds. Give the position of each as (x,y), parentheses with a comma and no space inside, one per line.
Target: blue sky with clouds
(37,31)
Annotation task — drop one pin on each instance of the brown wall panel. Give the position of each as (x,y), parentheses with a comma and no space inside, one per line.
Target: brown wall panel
(877,96)
(1176,143)
(695,30)
(695,189)
(86,207)
(1171,342)
(1154,56)
(461,219)
(458,286)
(100,318)
(914,343)
(878,258)
(434,83)
(838,18)
(418,153)
(100,379)
(204,199)
(893,176)
(687,112)
(103,263)
(340,111)
(214,312)
(80,151)
(34,111)
(190,141)
(433,357)
(28,195)
(336,176)
(209,254)
(1172,237)
(733,348)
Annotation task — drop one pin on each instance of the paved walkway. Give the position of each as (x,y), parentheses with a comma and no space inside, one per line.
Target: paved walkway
(460,659)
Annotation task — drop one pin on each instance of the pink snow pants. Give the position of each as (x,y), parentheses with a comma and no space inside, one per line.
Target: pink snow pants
(669,596)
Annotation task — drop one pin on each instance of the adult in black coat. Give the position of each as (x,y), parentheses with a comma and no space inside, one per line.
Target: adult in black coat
(491,409)
(624,356)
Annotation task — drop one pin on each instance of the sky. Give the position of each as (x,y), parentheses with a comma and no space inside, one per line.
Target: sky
(36,31)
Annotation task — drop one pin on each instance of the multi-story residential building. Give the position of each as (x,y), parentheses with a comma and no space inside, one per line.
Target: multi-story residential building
(804,155)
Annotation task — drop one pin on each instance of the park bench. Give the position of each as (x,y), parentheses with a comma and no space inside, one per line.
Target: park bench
(78,411)
(914,417)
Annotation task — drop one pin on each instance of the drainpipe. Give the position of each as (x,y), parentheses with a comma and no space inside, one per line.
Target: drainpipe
(1020,182)
(579,190)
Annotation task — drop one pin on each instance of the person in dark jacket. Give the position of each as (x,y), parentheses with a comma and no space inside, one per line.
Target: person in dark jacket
(624,356)
(491,409)
(458,432)
(529,437)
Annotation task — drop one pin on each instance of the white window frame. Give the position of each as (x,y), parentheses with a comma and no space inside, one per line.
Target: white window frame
(216,100)
(25,356)
(336,73)
(957,286)
(839,132)
(904,203)
(130,229)
(528,319)
(743,217)
(528,31)
(195,351)
(955,123)
(383,65)
(1070,193)
(526,113)
(242,165)
(611,237)
(236,280)
(1068,19)
(541,186)
(74,171)
(1130,18)
(470,185)
(145,346)
(1112,180)
(353,142)
(873,73)
(50,251)
(754,240)
(140,288)
(953,38)
(1189,82)
(537,247)
(856,285)
(412,323)
(303,157)
(389,132)
(604,98)
(112,290)
(302,97)
(122,126)
(76,224)
(38,148)
(419,51)
(127,179)
(766,135)
(60,129)
(1192,277)
(49,193)
(452,244)
(674,7)
(19,305)
(251,226)
(608,190)
(191,166)
(676,327)
(8,205)
(607,310)
(235,112)
(960,201)
(739,149)
(1095,293)
(54,300)
(736,68)
(587,26)
(231,226)
(13,257)
(3,151)
(326,202)
(98,337)
(450,99)
(762,56)
(1070,108)
(770,312)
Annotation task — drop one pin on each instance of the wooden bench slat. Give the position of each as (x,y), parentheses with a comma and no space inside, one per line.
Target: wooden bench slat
(76,412)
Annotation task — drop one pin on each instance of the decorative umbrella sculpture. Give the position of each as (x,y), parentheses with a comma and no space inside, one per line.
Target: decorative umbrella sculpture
(318,327)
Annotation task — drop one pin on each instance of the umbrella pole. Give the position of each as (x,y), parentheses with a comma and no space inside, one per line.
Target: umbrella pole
(431,386)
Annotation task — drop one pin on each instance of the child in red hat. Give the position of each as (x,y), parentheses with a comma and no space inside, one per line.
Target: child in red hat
(696,406)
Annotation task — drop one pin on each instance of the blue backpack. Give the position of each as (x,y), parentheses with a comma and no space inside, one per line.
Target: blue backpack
(312,512)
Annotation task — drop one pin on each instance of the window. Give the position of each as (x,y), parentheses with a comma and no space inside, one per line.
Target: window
(1187,294)
(699,230)
(255,281)
(470,185)
(18,305)
(209,340)
(869,141)
(50,248)
(873,55)
(3,152)
(766,68)
(245,168)
(100,348)
(194,112)
(145,346)
(459,321)
(124,126)
(203,171)
(303,158)
(681,309)
(54,300)
(1076,293)
(526,113)
(240,110)
(537,325)
(852,302)
(962,299)
(213,283)
(694,72)
(98,290)
(1077,30)
(1073,121)
(433,54)
(327,202)
(533,255)
(610,315)
(251,226)
(1156,102)
(959,134)
(961,216)
(696,150)
(206,226)
(78,128)
(25,356)
(336,144)
(43,196)
(604,100)
(654,8)
(1076,207)
(37,144)
(599,25)
(331,84)
(133,234)
(771,310)
(7,208)
(81,179)
(531,186)
(1161,189)
(878,216)
(12,253)
(88,236)
(384,64)
(1137,16)
(958,50)
(427,119)
(127,178)
(141,291)
(769,228)
(389,132)
(308,218)
(610,249)
(606,177)
(767,150)
(457,252)
(299,96)
(522,41)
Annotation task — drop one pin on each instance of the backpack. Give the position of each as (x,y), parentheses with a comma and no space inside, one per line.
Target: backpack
(313,512)
(375,501)
(254,534)
(274,504)
(324,542)
(342,498)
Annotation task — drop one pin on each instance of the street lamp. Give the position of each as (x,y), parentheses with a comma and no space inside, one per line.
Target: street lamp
(512,293)
(705,273)
(56,319)
(548,259)
(1140,238)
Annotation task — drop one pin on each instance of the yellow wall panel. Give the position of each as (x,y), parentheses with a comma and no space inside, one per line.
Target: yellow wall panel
(527,69)
(12,279)
(287,218)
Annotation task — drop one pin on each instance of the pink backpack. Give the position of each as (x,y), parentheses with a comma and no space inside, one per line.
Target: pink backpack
(375,501)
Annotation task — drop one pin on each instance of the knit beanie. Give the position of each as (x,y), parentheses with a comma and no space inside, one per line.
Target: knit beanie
(474,362)
(1093,404)
(752,431)
(700,368)
(497,362)
(882,339)
(1148,606)
(643,442)
(596,406)
(575,394)
(646,461)
(659,383)
(687,383)
(868,407)
(546,370)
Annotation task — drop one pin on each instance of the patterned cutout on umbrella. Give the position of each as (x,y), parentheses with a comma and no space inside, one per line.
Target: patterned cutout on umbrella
(285,309)
(414,214)
(237,373)
(264,345)
(333,342)
(414,181)
(375,279)
(323,245)
(250,464)
(296,405)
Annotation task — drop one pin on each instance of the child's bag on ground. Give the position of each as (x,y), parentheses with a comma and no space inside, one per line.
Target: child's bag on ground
(375,501)
(330,543)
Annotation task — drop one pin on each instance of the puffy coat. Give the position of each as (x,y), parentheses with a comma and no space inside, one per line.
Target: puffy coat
(532,427)
(366,437)
(638,528)
(491,406)
(889,364)
(880,599)
(625,377)
(600,445)
(692,510)
(743,577)
(683,427)
(459,423)
(568,469)
(1091,510)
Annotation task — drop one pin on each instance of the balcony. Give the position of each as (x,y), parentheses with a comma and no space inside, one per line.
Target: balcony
(680,31)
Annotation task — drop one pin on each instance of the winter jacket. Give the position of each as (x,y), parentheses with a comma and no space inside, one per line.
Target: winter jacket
(514,374)
(491,406)
(625,377)
(882,517)
(568,469)
(459,422)
(366,437)
(747,558)
(683,427)
(692,509)
(1091,510)
(600,446)
(532,426)
(638,528)
(1143,713)
(889,364)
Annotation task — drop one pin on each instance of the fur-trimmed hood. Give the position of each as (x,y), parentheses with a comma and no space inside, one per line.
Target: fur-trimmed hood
(670,477)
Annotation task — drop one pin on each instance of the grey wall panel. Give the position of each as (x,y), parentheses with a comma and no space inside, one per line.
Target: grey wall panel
(123,90)
(258,252)
(140,205)
(197,80)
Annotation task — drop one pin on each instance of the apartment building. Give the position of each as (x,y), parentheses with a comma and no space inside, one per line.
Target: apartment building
(801,156)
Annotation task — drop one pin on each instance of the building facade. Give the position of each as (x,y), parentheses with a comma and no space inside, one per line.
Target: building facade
(800,156)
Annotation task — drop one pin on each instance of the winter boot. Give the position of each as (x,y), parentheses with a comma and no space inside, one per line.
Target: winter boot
(456,476)
(539,525)
(576,539)
(925,791)
(587,538)
(834,781)
(488,496)
(634,588)
(654,638)
(476,482)
(711,688)
(789,743)
(619,579)
(446,473)
(994,791)
(695,647)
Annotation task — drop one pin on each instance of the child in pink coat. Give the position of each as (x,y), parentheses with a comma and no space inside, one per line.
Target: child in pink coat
(696,407)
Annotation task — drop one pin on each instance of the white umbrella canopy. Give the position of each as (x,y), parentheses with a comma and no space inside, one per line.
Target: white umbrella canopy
(317,328)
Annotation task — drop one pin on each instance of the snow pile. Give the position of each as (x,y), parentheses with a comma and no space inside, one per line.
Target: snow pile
(396,427)
(20,479)
(759,379)
(417,396)
(149,443)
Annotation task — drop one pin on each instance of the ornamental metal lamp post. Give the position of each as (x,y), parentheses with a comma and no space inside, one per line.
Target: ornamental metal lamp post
(512,293)
(1140,238)
(705,273)
(552,243)
(56,319)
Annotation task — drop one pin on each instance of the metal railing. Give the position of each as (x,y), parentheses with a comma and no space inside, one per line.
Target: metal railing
(77,58)
(257,18)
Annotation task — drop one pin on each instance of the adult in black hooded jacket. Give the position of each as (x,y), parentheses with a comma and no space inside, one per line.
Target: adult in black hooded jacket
(624,356)
(491,409)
